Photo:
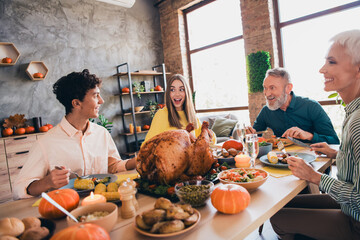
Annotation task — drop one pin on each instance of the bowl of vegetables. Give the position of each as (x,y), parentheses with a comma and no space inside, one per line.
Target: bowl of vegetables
(264,148)
(249,178)
(194,192)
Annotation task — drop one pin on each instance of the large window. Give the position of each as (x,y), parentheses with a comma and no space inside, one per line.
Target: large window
(305,42)
(216,52)
(306,27)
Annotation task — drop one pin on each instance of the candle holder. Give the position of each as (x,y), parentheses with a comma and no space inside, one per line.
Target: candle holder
(93,199)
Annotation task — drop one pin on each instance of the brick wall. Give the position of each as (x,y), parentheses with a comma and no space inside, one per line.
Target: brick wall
(258,36)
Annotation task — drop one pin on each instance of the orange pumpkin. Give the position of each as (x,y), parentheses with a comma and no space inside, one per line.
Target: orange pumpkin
(20,131)
(43,129)
(38,75)
(7,132)
(232,144)
(88,231)
(230,198)
(6,60)
(67,198)
(29,129)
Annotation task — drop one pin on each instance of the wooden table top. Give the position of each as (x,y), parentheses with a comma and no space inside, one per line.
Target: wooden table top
(265,202)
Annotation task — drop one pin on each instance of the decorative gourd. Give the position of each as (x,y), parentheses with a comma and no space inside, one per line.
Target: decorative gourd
(67,198)
(230,198)
(231,143)
(86,231)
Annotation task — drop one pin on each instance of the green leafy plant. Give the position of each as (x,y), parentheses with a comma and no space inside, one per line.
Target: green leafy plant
(256,66)
(152,106)
(138,88)
(103,121)
(338,98)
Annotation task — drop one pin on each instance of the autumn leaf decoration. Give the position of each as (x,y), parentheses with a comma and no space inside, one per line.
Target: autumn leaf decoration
(17,120)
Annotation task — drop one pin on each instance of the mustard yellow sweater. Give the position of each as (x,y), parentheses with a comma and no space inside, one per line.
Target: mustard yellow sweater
(160,123)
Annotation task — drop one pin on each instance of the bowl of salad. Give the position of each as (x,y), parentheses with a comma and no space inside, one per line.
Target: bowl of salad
(249,178)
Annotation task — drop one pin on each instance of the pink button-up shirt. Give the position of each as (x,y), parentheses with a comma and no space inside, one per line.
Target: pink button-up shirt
(93,152)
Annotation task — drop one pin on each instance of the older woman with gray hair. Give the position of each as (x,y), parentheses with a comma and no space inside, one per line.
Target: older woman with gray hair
(335,215)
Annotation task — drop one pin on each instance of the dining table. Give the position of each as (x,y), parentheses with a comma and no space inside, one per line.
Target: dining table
(265,202)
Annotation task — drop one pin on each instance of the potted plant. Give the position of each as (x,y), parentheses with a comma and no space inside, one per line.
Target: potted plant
(152,106)
(138,88)
(103,121)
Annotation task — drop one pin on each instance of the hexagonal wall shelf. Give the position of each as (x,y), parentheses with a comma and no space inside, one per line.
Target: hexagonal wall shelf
(8,52)
(37,70)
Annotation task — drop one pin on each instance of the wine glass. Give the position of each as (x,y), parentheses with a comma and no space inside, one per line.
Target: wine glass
(241,133)
(252,147)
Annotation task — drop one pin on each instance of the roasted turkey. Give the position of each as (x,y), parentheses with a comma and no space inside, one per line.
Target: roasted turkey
(176,155)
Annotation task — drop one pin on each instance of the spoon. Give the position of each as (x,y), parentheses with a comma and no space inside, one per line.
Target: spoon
(77,175)
(50,200)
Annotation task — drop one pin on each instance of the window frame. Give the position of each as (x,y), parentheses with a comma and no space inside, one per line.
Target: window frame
(279,25)
(189,52)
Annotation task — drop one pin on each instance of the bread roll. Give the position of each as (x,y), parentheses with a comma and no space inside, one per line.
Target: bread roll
(11,226)
(31,222)
(35,233)
(7,237)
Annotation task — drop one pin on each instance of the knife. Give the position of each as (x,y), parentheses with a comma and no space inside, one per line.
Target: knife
(298,142)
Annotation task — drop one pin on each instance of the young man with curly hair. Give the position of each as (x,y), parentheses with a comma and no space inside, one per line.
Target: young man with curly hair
(75,144)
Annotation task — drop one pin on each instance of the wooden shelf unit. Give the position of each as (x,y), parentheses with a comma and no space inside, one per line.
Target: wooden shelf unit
(125,80)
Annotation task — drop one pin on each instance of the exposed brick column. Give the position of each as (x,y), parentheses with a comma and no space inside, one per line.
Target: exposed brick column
(258,36)
(173,35)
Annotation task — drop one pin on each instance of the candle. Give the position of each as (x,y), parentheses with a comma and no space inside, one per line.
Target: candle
(242,160)
(131,128)
(93,199)
(138,128)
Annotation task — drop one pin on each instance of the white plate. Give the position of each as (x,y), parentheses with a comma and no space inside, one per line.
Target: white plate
(70,185)
(159,235)
(307,157)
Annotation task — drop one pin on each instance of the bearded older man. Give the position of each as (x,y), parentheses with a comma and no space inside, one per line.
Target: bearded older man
(289,115)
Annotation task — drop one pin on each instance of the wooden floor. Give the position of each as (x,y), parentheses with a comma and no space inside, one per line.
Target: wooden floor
(267,233)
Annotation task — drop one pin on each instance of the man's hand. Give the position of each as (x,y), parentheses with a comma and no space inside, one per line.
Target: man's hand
(130,164)
(296,132)
(323,148)
(55,179)
(303,170)
(58,178)
(250,130)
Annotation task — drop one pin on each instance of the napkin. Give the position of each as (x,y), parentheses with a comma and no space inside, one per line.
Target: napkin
(294,148)
(122,177)
(36,204)
(278,172)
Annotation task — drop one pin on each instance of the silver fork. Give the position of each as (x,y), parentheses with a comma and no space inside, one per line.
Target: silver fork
(77,175)
(281,147)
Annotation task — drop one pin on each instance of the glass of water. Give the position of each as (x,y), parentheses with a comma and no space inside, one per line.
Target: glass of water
(252,147)
(240,130)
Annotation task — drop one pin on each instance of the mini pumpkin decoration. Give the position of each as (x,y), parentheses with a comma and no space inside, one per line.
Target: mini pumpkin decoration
(232,143)
(67,198)
(230,198)
(86,231)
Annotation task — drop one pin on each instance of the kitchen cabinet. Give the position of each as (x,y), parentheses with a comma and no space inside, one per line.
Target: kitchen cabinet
(14,151)
(129,100)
